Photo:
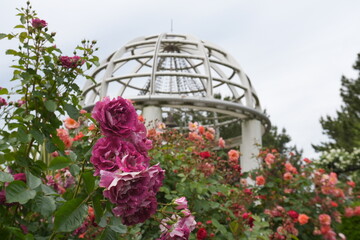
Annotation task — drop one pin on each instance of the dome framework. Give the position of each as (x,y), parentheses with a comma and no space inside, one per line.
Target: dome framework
(180,74)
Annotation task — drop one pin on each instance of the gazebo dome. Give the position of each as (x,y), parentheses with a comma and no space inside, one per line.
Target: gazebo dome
(178,73)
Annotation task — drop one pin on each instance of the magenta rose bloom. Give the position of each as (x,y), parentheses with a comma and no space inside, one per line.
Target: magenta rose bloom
(133,192)
(38,23)
(116,117)
(132,215)
(111,153)
(71,62)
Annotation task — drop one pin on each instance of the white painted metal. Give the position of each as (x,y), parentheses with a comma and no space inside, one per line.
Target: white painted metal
(168,72)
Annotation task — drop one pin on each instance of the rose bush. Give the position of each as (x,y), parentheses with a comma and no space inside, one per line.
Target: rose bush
(69,174)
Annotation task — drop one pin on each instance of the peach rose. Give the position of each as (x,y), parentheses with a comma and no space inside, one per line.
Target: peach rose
(303,219)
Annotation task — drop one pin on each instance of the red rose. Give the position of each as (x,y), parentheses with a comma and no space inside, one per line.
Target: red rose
(293,214)
(204,155)
(201,234)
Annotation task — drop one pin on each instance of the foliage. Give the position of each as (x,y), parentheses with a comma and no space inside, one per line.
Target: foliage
(279,141)
(344,129)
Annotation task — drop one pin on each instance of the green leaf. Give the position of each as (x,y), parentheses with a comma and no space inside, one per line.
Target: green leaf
(74,169)
(11,52)
(32,181)
(22,36)
(6,177)
(47,190)
(4,91)
(50,105)
(17,191)
(72,111)
(59,162)
(3,35)
(219,227)
(70,215)
(44,205)
(22,135)
(117,226)
(109,234)
(99,212)
(19,26)
(37,135)
(89,181)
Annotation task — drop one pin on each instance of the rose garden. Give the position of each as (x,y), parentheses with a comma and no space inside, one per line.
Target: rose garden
(66,173)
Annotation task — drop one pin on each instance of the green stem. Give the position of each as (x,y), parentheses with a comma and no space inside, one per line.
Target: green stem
(52,236)
(80,178)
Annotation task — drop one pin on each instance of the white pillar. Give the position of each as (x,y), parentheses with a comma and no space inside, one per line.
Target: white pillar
(152,115)
(250,145)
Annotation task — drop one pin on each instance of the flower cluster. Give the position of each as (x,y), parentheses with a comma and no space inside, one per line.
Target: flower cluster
(121,160)
(71,62)
(340,159)
(183,223)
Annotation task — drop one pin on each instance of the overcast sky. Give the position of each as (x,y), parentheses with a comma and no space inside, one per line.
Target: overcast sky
(294,52)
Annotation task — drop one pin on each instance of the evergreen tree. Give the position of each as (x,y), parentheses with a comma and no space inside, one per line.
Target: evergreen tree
(279,141)
(343,130)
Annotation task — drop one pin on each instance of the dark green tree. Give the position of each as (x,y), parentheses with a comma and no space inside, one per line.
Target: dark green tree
(274,139)
(343,129)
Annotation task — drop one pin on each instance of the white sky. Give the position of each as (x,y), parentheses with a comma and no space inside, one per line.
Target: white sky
(294,52)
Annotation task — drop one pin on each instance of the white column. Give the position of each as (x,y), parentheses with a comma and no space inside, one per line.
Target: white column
(152,115)
(250,145)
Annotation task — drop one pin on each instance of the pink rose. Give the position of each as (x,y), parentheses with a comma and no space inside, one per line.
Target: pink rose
(133,192)
(260,180)
(181,203)
(117,117)
(111,153)
(38,23)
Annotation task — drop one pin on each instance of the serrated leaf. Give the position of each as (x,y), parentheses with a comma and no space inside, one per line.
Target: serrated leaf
(59,162)
(17,191)
(47,190)
(6,177)
(37,135)
(109,234)
(72,111)
(117,226)
(70,215)
(50,105)
(32,181)
(44,205)
(89,181)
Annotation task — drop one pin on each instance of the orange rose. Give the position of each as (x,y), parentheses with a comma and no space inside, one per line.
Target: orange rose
(303,219)
(260,180)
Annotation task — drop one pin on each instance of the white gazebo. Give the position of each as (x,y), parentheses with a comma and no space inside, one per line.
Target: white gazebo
(174,74)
